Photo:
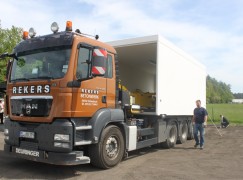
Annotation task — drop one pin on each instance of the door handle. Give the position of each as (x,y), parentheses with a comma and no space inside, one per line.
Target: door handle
(103,99)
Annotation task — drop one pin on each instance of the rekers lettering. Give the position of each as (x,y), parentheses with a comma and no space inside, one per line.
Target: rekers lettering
(89,91)
(31,89)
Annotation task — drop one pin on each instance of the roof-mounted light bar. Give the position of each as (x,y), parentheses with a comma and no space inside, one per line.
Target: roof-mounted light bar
(54,29)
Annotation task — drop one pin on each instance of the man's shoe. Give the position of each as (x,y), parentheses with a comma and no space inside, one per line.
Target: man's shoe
(196,145)
(201,147)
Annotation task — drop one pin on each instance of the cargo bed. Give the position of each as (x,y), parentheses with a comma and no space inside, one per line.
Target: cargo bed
(152,65)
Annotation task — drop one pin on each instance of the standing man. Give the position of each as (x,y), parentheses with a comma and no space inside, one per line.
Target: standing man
(1,111)
(200,117)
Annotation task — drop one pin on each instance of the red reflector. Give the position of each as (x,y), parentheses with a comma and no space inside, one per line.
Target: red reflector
(100,52)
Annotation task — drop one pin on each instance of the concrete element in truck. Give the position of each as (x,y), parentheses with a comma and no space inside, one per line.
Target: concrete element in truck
(70,100)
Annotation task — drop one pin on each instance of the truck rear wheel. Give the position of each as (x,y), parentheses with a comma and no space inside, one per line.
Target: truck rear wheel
(171,133)
(109,151)
(190,131)
(183,132)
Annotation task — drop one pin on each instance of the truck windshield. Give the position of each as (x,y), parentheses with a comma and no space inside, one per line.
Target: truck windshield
(51,64)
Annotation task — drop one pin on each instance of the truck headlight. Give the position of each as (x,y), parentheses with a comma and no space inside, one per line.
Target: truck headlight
(6,138)
(6,132)
(61,137)
(61,145)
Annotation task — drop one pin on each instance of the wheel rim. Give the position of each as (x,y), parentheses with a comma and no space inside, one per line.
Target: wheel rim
(112,147)
(172,135)
(184,132)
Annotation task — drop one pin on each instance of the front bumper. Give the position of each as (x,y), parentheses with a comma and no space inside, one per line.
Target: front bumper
(72,158)
(41,148)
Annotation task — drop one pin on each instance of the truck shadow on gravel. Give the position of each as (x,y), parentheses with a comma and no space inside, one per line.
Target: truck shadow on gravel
(141,152)
(185,148)
(11,167)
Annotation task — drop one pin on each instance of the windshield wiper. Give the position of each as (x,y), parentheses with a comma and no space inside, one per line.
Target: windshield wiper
(43,77)
(28,79)
(20,79)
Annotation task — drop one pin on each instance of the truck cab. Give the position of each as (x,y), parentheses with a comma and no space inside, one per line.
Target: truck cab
(56,83)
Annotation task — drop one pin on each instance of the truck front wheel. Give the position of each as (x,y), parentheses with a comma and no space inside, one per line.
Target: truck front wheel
(109,151)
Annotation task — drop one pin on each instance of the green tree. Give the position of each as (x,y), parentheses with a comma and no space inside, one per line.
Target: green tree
(218,92)
(8,40)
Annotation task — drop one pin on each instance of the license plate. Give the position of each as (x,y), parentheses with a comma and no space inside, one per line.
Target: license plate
(27,152)
(26,134)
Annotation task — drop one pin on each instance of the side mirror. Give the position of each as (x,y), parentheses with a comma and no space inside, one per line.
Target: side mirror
(9,65)
(99,58)
(3,87)
(4,55)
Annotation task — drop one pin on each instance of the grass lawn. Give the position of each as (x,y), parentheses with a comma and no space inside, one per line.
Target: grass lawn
(233,112)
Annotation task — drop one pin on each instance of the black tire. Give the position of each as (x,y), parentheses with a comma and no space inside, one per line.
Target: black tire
(183,133)
(110,150)
(190,131)
(171,134)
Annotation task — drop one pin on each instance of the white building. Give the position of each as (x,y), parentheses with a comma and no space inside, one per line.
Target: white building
(237,101)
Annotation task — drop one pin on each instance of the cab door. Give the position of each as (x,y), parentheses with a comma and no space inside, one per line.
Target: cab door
(111,81)
(91,95)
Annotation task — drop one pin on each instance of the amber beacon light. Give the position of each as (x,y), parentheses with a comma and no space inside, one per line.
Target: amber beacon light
(25,35)
(69,26)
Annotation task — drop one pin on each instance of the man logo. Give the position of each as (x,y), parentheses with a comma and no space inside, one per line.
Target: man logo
(28,108)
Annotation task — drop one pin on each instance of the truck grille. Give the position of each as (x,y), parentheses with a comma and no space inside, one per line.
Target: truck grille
(31,106)
(28,145)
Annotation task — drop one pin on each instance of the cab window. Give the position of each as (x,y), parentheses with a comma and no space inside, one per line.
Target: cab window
(83,68)
(109,69)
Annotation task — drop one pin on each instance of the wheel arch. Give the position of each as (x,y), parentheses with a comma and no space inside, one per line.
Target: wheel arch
(104,118)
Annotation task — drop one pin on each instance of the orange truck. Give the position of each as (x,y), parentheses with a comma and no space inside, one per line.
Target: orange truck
(70,99)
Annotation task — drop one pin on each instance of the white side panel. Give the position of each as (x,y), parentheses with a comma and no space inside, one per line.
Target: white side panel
(132,138)
(181,80)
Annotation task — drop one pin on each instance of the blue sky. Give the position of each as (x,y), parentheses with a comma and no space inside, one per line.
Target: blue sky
(211,31)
